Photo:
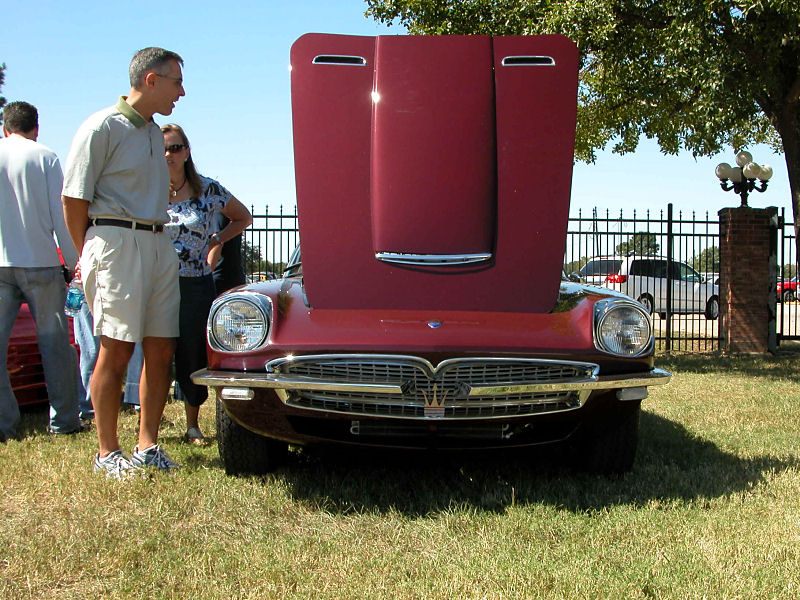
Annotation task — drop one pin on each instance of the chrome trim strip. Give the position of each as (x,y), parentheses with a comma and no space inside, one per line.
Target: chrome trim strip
(581,399)
(340,59)
(274,366)
(276,381)
(528,61)
(433,260)
(490,403)
(266,380)
(654,377)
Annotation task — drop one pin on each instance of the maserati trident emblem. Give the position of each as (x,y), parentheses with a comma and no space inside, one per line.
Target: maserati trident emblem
(434,404)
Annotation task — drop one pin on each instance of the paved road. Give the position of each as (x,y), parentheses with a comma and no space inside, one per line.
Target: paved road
(698,325)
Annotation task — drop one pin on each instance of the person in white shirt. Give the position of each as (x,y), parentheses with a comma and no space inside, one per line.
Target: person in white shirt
(30,269)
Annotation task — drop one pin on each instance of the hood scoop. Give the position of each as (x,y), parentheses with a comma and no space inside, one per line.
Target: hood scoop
(432,100)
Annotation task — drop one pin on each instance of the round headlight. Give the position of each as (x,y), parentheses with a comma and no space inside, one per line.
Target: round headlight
(622,328)
(239,323)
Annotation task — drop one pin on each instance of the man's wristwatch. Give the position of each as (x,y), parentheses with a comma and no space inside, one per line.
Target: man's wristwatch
(216,238)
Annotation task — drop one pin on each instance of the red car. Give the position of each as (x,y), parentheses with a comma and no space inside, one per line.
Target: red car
(787,290)
(24,361)
(429,311)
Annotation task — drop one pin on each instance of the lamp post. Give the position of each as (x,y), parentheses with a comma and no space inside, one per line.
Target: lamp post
(743,177)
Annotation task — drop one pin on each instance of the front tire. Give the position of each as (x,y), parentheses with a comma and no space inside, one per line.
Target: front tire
(608,443)
(712,309)
(788,296)
(244,452)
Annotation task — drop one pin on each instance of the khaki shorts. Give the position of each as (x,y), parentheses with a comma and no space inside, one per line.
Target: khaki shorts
(130,278)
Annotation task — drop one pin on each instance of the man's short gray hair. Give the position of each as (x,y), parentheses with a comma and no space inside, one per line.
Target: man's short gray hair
(147,60)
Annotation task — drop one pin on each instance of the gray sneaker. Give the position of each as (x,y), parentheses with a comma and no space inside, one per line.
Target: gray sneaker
(116,466)
(154,456)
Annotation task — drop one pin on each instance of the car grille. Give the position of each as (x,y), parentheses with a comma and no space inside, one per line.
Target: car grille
(428,391)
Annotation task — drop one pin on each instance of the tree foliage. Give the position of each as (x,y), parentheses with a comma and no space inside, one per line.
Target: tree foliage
(695,76)
(251,257)
(707,261)
(640,244)
(254,262)
(575,265)
(2,80)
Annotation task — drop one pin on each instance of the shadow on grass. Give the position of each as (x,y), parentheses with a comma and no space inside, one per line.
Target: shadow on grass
(672,465)
(35,421)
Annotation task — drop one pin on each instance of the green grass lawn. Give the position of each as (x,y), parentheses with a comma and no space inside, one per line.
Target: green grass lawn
(711,510)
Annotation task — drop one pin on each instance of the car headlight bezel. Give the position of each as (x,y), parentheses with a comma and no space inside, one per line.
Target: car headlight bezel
(263,309)
(606,310)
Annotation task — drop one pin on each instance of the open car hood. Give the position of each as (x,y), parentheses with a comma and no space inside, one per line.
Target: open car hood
(433,172)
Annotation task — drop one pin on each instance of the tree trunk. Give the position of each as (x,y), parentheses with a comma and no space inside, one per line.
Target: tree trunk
(789,130)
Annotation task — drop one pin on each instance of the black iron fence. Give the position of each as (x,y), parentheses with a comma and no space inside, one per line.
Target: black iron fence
(269,242)
(788,313)
(669,261)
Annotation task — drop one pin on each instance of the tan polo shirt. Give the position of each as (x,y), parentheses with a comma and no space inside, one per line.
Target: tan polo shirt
(116,163)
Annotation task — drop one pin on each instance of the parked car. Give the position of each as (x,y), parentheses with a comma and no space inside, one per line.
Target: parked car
(428,311)
(24,362)
(597,270)
(711,278)
(645,279)
(787,290)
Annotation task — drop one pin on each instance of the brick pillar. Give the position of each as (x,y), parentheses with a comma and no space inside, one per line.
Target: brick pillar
(748,266)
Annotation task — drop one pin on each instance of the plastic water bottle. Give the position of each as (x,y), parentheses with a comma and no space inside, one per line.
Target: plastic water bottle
(72,307)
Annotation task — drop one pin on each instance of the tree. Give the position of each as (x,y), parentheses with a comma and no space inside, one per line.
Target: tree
(575,265)
(251,257)
(275,267)
(707,261)
(641,244)
(694,75)
(2,79)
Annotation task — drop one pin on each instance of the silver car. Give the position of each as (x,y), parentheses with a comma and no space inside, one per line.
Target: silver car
(647,279)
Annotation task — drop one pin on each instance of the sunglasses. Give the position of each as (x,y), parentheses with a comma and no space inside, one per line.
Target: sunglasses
(174,148)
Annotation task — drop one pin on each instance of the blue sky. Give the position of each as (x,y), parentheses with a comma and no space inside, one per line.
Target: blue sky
(70,59)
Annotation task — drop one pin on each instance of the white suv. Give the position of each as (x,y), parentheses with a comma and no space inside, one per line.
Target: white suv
(645,279)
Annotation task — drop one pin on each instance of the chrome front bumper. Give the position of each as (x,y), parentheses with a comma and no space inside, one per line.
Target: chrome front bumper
(424,394)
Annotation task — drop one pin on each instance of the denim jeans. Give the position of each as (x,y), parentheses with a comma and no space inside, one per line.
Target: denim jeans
(90,345)
(44,290)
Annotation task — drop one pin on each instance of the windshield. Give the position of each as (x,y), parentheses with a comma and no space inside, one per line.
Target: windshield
(601,267)
(294,267)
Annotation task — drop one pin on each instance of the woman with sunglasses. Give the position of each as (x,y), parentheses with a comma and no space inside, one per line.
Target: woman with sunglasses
(195,202)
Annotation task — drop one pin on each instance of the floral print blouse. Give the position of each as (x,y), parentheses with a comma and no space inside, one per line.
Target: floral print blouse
(191,225)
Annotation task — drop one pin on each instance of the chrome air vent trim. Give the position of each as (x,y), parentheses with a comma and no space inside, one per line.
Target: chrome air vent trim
(528,61)
(342,60)
(433,260)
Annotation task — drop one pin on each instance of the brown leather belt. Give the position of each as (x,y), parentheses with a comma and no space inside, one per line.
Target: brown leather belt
(154,227)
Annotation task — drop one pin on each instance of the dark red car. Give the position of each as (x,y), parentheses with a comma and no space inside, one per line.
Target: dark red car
(428,310)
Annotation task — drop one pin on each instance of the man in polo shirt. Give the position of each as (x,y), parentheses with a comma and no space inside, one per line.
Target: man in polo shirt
(115,196)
